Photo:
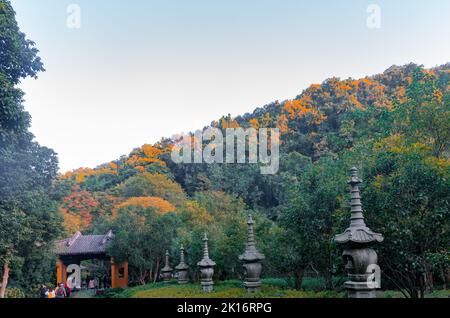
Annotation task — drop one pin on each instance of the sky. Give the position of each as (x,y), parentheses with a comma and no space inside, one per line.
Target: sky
(136,71)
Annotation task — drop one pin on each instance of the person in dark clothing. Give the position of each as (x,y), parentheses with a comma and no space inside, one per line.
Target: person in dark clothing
(61,291)
(43,291)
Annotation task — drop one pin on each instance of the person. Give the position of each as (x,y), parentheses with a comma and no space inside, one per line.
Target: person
(91,284)
(68,290)
(50,293)
(61,291)
(42,291)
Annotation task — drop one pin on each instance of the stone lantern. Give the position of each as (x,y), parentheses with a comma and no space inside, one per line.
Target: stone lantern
(252,261)
(182,269)
(361,260)
(206,268)
(166,271)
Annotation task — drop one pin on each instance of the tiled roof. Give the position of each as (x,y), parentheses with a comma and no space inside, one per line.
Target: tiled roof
(83,244)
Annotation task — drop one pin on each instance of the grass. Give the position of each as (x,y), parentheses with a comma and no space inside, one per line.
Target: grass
(397,294)
(272,288)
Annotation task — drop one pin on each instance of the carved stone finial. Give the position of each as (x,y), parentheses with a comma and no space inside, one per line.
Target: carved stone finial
(252,260)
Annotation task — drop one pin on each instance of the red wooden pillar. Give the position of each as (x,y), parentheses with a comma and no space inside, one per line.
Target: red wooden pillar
(61,272)
(119,274)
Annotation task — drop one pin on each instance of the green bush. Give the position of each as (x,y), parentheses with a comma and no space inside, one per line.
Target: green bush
(14,293)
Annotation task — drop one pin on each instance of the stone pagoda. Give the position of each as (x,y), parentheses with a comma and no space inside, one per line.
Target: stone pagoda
(252,261)
(206,268)
(361,260)
(182,269)
(166,271)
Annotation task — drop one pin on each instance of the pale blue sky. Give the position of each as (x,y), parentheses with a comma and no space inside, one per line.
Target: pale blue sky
(139,70)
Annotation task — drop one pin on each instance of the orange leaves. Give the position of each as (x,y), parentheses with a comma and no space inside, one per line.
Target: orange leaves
(77,209)
(139,159)
(79,175)
(263,122)
(72,222)
(150,151)
(437,95)
(282,123)
(160,206)
(301,108)
(140,169)
(144,156)
(79,200)
(228,122)
(198,214)
(254,123)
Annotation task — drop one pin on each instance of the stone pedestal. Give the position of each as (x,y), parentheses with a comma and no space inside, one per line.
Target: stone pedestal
(360,289)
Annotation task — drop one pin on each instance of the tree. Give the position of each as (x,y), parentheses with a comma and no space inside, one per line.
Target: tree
(407,199)
(153,185)
(27,213)
(425,114)
(311,218)
(141,237)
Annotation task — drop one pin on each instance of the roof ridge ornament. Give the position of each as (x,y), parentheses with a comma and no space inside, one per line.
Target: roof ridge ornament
(107,237)
(75,237)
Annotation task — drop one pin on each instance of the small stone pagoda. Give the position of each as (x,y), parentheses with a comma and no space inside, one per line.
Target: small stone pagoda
(252,261)
(166,271)
(182,269)
(206,268)
(361,260)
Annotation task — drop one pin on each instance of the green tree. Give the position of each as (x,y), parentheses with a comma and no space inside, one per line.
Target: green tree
(27,212)
(311,217)
(407,199)
(142,237)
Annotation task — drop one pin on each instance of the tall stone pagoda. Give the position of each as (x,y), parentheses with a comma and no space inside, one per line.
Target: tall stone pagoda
(252,261)
(206,268)
(361,260)
(182,269)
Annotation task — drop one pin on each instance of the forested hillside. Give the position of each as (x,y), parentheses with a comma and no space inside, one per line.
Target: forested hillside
(393,126)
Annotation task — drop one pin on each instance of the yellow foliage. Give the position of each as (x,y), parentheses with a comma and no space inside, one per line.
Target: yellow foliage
(228,122)
(72,222)
(254,123)
(266,121)
(160,205)
(282,123)
(199,215)
(145,155)
(441,164)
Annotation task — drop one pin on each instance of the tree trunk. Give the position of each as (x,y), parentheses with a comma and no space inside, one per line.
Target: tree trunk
(298,278)
(156,270)
(329,280)
(4,280)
